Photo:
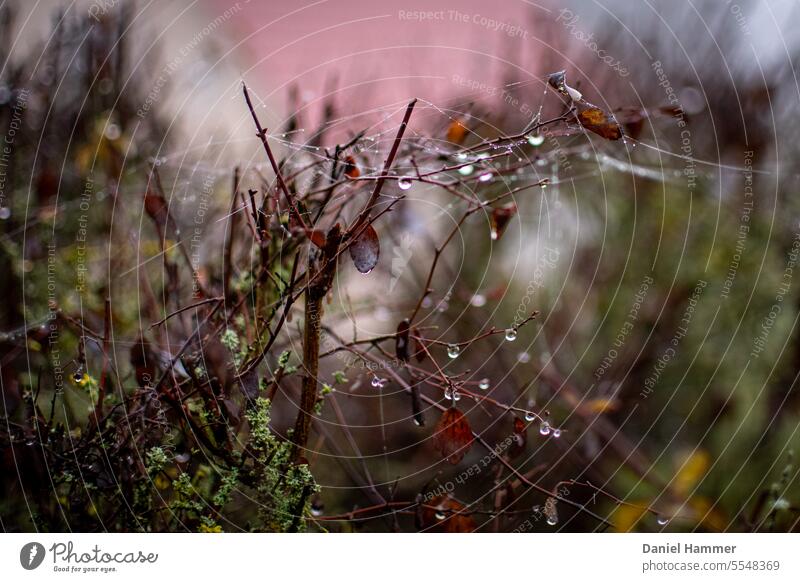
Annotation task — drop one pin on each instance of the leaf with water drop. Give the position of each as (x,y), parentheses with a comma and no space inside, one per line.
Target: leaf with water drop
(446,515)
(598,121)
(453,436)
(500,218)
(365,250)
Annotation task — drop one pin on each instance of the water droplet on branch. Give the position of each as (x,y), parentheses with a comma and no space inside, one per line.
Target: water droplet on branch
(453,351)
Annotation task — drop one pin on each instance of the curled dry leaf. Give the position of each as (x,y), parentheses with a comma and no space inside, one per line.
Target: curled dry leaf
(453,436)
(589,116)
(558,81)
(500,218)
(598,121)
(157,209)
(446,515)
(365,250)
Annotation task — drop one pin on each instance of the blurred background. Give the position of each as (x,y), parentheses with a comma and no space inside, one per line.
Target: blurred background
(663,265)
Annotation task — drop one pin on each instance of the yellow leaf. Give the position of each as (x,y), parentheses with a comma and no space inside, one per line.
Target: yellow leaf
(602,405)
(626,517)
(707,514)
(691,471)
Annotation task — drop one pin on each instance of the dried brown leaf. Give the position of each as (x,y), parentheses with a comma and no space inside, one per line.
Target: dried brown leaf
(453,436)
(500,218)
(446,515)
(598,121)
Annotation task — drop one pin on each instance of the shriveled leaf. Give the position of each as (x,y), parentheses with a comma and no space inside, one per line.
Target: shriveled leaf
(401,340)
(453,436)
(446,515)
(598,121)
(366,250)
(558,81)
(500,218)
(156,208)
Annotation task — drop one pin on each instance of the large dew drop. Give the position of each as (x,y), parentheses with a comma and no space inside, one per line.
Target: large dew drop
(453,351)
(536,140)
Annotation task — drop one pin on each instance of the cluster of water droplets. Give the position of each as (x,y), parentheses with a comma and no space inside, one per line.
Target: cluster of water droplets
(452,393)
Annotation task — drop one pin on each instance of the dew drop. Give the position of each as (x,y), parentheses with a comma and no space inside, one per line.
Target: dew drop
(487,177)
(544,428)
(456,395)
(662,520)
(404,183)
(523,357)
(377,382)
(511,334)
(529,416)
(5,213)
(112,132)
(556,433)
(439,515)
(536,140)
(552,520)
(484,384)
(466,170)
(478,300)
(453,351)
